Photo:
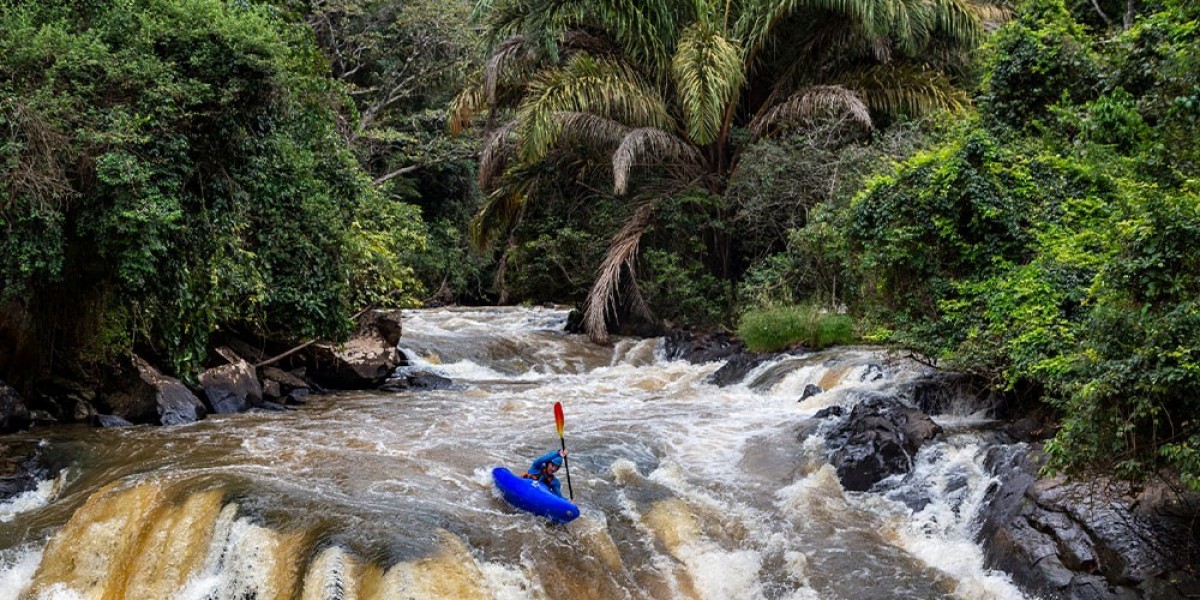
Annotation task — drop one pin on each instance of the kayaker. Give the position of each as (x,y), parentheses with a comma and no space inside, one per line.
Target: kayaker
(544,468)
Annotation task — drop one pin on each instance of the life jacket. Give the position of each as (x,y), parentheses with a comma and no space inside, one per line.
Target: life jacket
(543,477)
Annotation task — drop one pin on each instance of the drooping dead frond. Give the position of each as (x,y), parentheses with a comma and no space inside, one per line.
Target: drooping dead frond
(622,255)
(587,128)
(504,207)
(651,145)
(505,53)
(466,106)
(814,104)
(496,151)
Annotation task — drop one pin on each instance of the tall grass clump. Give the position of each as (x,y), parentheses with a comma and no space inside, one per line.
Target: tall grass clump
(771,329)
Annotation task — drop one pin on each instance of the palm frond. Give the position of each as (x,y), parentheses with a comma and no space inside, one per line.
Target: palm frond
(708,73)
(505,54)
(500,212)
(590,129)
(622,254)
(606,88)
(812,104)
(496,152)
(466,106)
(649,144)
(903,89)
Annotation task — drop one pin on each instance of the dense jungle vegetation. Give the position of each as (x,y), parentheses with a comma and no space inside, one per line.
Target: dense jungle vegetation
(1007,189)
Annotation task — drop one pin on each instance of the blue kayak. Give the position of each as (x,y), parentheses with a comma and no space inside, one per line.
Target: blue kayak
(531,496)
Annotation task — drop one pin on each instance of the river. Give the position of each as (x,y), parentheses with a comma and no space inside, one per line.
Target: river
(687,490)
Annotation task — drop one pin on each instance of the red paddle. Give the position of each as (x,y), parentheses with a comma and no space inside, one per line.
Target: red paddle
(558,422)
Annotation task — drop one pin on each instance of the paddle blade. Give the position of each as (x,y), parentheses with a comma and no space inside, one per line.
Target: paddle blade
(558,418)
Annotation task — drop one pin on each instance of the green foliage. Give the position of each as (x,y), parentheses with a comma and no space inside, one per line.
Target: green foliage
(1039,59)
(170,168)
(772,329)
(1050,244)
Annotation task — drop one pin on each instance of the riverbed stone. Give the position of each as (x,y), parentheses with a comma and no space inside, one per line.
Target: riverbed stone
(877,440)
(1095,540)
(148,396)
(417,381)
(14,415)
(22,466)
(365,361)
(232,388)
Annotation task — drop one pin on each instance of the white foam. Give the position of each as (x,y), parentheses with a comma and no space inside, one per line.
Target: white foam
(46,490)
(17,567)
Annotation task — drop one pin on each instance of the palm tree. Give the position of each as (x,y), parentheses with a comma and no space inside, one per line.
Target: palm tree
(654,90)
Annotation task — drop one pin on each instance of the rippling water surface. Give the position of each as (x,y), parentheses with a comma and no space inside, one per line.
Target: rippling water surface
(687,490)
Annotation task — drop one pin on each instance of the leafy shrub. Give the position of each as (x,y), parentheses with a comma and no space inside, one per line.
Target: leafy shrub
(771,329)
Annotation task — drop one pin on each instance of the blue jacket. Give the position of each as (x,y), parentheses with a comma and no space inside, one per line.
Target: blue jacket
(538,471)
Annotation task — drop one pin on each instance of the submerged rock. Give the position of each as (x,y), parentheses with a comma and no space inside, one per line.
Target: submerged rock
(417,381)
(878,439)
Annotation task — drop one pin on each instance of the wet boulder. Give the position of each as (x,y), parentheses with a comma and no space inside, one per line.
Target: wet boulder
(22,467)
(107,421)
(417,381)
(14,415)
(232,388)
(700,348)
(1096,540)
(364,361)
(285,381)
(810,390)
(878,439)
(736,368)
(148,396)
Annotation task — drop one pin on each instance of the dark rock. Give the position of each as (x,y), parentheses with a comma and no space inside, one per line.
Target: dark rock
(385,323)
(1081,541)
(878,440)
(232,388)
(830,411)
(297,396)
(938,393)
(148,396)
(418,381)
(270,389)
(270,407)
(286,381)
(110,421)
(83,411)
(736,368)
(700,348)
(574,322)
(363,362)
(22,467)
(811,390)
(14,415)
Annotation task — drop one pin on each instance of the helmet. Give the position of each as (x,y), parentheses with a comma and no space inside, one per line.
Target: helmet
(557,460)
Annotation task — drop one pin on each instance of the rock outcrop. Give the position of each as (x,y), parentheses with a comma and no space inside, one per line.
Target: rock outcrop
(1095,540)
(148,396)
(232,388)
(878,439)
(14,415)
(365,360)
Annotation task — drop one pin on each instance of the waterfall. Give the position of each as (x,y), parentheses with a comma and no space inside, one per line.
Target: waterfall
(687,490)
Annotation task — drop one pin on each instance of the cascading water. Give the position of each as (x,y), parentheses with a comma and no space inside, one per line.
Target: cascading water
(688,490)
